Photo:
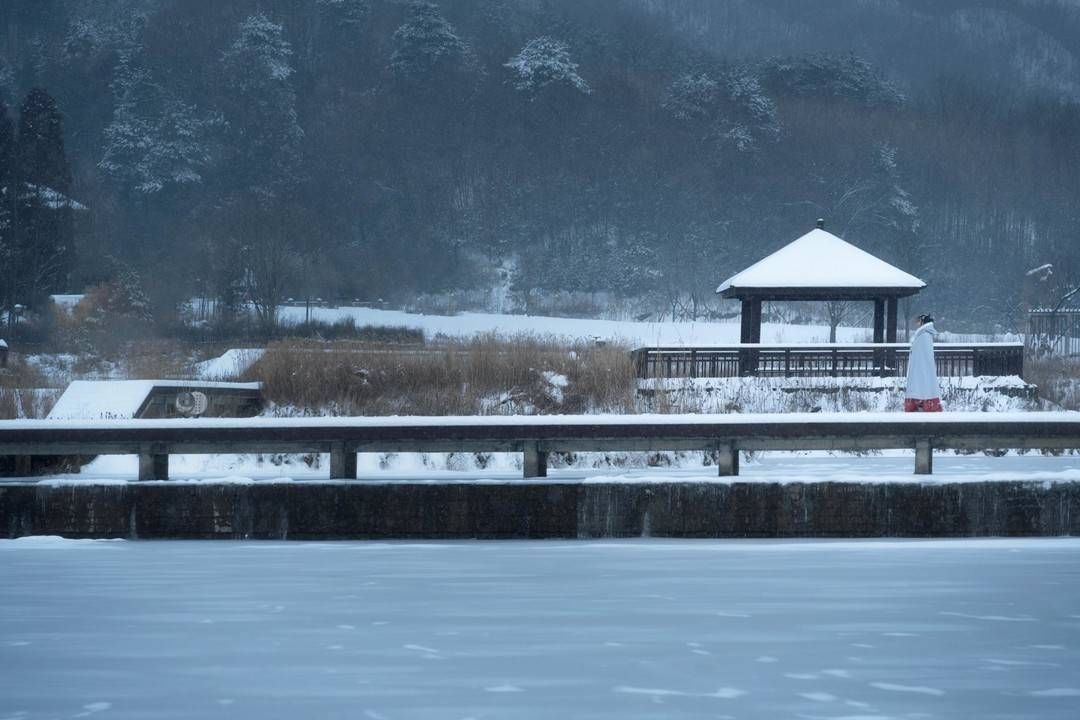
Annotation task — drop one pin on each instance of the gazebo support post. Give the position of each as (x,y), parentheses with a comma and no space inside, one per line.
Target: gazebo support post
(750,332)
(890,333)
(879,320)
(879,335)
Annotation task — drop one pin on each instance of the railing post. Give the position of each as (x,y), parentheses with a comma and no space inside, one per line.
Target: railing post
(693,363)
(153,463)
(727,459)
(787,362)
(342,462)
(534,462)
(924,457)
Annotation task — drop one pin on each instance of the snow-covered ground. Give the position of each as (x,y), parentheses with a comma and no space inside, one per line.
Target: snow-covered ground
(830,395)
(638,334)
(230,364)
(882,630)
(632,333)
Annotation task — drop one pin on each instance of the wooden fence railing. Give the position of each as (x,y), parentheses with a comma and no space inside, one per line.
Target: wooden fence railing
(833,360)
(1054,332)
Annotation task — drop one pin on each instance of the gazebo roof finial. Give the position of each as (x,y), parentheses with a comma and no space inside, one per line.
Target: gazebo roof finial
(820,223)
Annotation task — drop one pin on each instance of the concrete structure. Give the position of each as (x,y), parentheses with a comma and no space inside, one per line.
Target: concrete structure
(536,436)
(540,510)
(123,399)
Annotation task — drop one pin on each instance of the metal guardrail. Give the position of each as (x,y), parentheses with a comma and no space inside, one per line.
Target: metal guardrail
(536,436)
(828,360)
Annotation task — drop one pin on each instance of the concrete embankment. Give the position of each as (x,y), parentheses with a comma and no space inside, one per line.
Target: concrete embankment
(327,510)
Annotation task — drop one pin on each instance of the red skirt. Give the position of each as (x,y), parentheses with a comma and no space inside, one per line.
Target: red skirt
(931,405)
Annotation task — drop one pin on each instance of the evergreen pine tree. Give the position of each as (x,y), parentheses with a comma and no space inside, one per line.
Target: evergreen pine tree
(155,139)
(44,230)
(545,62)
(261,108)
(266,137)
(7,208)
(426,43)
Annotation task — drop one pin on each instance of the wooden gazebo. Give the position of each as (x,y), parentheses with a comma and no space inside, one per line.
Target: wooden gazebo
(819,266)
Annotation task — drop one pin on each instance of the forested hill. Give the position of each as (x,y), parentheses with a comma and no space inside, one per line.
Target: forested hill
(261,149)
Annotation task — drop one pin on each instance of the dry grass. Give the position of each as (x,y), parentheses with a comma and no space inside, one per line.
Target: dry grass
(157,359)
(22,391)
(1058,379)
(483,376)
(20,374)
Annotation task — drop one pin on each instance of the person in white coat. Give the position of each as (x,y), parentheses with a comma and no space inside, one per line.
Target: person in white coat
(923,393)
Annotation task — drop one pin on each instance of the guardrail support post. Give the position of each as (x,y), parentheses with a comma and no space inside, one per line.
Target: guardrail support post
(727,460)
(535,461)
(342,462)
(924,457)
(153,464)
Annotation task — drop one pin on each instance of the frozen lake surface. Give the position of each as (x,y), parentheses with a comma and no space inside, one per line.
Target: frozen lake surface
(635,629)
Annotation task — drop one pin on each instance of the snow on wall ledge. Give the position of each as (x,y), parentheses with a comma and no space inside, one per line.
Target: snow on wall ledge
(385,511)
(548,420)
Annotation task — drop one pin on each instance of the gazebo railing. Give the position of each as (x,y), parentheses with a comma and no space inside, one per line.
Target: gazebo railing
(828,360)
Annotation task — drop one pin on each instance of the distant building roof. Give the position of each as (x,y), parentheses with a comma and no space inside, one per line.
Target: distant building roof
(820,261)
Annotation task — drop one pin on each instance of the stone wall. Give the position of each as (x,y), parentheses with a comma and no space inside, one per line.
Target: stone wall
(327,510)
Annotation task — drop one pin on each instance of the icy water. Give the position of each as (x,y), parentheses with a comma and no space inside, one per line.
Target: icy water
(636,629)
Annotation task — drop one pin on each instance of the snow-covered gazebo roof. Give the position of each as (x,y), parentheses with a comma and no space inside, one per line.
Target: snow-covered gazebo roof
(820,266)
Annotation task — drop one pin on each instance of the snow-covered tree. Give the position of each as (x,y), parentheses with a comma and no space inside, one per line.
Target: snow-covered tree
(93,25)
(545,62)
(155,140)
(350,13)
(899,211)
(261,47)
(692,96)
(261,113)
(750,115)
(265,137)
(7,211)
(7,82)
(734,111)
(426,42)
(43,205)
(847,76)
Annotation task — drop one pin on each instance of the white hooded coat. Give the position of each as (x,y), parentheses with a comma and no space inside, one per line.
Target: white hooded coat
(922,382)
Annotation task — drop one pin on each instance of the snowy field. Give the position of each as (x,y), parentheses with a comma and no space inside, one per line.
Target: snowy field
(638,334)
(872,630)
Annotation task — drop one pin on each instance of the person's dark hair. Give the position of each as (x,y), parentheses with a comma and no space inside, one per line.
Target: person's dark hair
(926,319)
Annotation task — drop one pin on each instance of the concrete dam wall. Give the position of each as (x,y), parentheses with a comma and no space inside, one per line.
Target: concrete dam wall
(358,510)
